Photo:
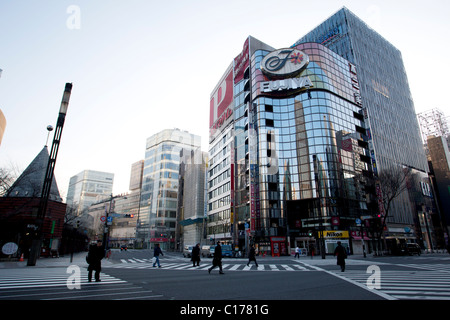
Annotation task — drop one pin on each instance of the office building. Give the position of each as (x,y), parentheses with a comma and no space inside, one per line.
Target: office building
(310,128)
(158,207)
(86,188)
(191,211)
(387,99)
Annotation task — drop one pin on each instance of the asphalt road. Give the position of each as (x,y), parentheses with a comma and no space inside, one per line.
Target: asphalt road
(281,283)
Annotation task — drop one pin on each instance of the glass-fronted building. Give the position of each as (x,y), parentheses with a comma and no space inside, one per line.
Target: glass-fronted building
(313,125)
(301,155)
(158,207)
(395,134)
(86,188)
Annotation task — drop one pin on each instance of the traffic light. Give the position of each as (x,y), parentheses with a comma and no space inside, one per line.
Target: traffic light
(310,233)
(129,216)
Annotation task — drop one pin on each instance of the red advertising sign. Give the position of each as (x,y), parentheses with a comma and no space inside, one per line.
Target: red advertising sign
(221,99)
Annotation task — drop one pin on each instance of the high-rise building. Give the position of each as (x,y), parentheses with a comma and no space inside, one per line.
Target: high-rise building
(439,159)
(158,207)
(387,99)
(191,212)
(294,158)
(310,128)
(87,188)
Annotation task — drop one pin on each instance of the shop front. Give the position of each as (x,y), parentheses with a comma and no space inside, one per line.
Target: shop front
(278,246)
(331,238)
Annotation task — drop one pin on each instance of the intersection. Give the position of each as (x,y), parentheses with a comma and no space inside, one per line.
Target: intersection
(131,276)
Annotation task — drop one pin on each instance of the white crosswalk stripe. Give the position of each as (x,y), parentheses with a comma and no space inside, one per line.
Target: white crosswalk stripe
(226,266)
(434,267)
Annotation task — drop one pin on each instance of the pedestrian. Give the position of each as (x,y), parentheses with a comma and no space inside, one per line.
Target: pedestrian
(341,254)
(94,259)
(156,254)
(217,259)
(252,256)
(195,255)
(297,252)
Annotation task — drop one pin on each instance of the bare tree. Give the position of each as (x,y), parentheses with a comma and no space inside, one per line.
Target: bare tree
(8,175)
(391,183)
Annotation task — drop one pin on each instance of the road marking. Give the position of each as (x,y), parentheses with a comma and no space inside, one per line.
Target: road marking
(356,283)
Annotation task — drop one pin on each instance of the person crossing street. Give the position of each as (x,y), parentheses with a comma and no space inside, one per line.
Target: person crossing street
(217,259)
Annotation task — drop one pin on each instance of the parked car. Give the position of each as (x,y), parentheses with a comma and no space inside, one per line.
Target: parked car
(206,251)
(187,251)
(413,248)
(226,250)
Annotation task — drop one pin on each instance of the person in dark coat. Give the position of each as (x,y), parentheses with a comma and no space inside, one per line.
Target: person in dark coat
(217,259)
(195,255)
(252,256)
(94,259)
(341,254)
(156,254)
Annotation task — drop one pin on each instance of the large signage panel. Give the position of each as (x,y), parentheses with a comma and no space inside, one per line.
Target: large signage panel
(221,102)
(284,62)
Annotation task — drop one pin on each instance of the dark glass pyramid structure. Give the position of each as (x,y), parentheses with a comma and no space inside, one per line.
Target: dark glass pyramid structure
(30,182)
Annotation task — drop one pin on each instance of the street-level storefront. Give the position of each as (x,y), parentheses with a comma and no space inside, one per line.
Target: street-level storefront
(331,238)
(360,242)
(397,236)
(278,246)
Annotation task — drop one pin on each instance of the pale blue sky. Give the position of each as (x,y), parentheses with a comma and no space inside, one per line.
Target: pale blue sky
(141,66)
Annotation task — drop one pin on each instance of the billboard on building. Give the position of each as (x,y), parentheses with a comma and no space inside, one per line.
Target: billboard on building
(221,102)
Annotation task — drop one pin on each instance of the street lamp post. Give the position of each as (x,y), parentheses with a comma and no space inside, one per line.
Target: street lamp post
(38,236)
(316,178)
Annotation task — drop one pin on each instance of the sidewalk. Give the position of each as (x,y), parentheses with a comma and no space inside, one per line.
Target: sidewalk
(79,259)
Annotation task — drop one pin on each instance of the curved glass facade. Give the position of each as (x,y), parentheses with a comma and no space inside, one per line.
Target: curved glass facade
(302,154)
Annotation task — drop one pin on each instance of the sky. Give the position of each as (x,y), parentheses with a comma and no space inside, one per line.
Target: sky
(142,66)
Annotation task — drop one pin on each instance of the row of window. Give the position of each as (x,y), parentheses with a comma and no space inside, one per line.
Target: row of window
(224,201)
(219,190)
(219,167)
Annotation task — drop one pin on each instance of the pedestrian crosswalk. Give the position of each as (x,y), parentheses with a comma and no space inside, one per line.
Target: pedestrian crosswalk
(405,285)
(63,284)
(146,264)
(26,278)
(434,267)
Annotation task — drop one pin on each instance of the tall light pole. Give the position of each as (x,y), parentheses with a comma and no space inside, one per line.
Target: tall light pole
(37,240)
(317,180)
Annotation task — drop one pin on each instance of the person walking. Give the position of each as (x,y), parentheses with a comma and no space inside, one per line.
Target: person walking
(341,254)
(297,252)
(195,255)
(217,259)
(252,256)
(94,259)
(156,254)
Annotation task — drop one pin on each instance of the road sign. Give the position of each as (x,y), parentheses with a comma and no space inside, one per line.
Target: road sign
(9,248)
(110,219)
(102,218)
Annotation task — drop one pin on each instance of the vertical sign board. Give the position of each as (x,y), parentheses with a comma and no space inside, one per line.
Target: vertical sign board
(221,102)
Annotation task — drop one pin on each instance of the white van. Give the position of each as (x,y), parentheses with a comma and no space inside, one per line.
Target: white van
(187,251)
